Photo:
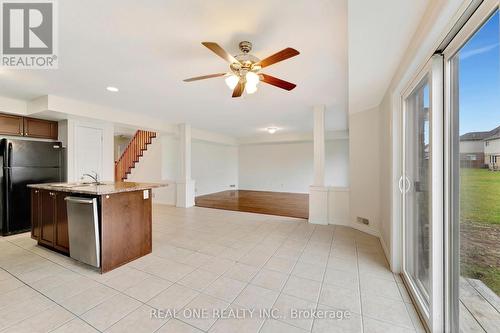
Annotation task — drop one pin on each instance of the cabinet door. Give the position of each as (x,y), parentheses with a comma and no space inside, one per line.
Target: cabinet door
(11,125)
(47,217)
(61,241)
(35,214)
(39,128)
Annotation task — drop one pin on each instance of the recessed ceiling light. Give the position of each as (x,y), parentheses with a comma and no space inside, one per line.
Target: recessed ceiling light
(112,89)
(271,130)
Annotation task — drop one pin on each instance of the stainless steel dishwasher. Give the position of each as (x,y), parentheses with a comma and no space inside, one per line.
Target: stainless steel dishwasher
(83,230)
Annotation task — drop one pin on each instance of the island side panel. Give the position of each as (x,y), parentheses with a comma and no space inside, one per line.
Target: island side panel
(126,228)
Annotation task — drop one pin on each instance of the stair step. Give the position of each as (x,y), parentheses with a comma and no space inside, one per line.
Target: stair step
(147,139)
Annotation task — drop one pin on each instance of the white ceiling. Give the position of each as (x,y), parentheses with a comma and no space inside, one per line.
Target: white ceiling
(379,34)
(147,49)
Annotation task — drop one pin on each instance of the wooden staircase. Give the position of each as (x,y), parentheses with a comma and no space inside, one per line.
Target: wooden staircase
(132,154)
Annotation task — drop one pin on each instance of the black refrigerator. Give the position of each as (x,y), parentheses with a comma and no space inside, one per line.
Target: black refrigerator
(25,162)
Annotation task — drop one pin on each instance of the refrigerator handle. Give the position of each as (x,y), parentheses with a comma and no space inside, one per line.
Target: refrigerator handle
(8,179)
(9,154)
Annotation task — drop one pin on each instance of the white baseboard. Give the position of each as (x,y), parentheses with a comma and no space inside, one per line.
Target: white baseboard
(376,233)
(386,252)
(339,222)
(163,204)
(369,230)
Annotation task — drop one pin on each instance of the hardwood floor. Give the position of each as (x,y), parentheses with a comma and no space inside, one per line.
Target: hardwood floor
(263,202)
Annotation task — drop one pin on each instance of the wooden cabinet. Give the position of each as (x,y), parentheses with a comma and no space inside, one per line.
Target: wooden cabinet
(39,128)
(49,219)
(35,214)
(61,239)
(126,228)
(11,125)
(28,127)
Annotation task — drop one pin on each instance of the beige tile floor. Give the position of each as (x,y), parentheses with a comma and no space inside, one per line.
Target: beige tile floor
(210,259)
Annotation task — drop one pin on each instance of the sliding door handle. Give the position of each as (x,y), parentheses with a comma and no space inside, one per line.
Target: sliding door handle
(400,184)
(407,185)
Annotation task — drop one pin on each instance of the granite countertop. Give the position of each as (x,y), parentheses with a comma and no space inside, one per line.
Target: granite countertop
(96,189)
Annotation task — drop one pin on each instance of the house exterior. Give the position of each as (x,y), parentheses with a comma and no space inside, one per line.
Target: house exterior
(472,150)
(492,152)
(473,147)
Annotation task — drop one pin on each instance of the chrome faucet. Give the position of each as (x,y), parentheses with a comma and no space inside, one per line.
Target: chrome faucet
(94,177)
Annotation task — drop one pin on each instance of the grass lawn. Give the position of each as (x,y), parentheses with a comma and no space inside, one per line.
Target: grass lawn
(480,196)
(489,276)
(480,226)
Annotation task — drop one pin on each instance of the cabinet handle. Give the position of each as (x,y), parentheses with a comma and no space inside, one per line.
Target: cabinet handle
(36,191)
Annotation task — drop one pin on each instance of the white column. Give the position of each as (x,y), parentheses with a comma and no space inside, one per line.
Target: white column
(318,192)
(185,185)
(319,145)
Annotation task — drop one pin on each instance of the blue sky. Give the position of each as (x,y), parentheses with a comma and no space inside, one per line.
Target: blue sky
(480,79)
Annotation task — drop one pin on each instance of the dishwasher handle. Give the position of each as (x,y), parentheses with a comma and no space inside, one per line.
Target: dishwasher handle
(79,200)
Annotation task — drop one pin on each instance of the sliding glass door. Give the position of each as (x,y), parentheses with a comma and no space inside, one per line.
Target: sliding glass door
(450,184)
(422,199)
(417,194)
(473,183)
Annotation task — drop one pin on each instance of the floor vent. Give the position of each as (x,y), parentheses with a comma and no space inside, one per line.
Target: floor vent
(363,220)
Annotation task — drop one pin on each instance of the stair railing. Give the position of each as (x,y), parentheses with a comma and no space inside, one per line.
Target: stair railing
(131,155)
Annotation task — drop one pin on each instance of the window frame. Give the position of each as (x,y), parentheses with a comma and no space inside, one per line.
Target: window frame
(452,163)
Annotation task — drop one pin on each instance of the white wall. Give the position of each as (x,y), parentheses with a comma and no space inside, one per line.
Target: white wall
(15,106)
(338,205)
(337,163)
(170,157)
(365,169)
(214,167)
(386,173)
(120,144)
(159,164)
(288,167)
(282,167)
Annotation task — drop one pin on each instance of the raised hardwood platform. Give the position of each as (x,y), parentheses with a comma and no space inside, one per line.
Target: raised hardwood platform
(262,202)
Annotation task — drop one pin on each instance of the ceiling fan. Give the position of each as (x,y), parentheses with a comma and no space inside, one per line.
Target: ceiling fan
(245,68)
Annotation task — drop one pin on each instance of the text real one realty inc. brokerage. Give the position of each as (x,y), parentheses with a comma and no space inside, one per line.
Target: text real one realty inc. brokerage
(232,313)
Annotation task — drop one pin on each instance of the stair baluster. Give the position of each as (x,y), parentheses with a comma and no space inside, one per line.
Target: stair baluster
(132,154)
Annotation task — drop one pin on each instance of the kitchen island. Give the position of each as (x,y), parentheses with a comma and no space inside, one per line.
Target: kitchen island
(124,214)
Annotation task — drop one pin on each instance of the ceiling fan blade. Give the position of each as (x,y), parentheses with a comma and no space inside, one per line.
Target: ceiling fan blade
(277,82)
(215,48)
(238,90)
(205,77)
(277,57)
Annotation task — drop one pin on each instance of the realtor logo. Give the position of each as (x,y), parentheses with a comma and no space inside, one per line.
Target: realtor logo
(28,34)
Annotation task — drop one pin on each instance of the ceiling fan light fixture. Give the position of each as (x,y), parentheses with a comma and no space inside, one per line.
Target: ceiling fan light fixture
(272,130)
(244,68)
(252,79)
(232,81)
(250,88)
